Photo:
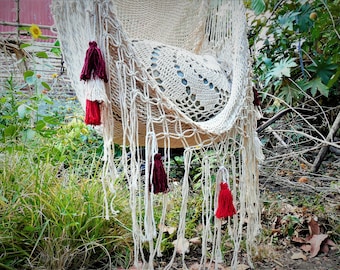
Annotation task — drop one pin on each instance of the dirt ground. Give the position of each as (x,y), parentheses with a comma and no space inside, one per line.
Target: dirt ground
(301,214)
(289,204)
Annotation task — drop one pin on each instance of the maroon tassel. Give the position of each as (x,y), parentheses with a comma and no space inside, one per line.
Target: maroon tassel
(256,101)
(94,67)
(159,177)
(92,113)
(94,64)
(225,207)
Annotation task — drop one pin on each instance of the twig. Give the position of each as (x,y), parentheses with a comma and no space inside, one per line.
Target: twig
(332,19)
(324,149)
(278,116)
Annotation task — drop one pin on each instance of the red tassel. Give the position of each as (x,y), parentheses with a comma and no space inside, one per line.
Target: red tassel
(225,207)
(94,64)
(92,113)
(159,177)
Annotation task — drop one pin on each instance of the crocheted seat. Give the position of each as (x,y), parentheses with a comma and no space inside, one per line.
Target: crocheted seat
(178,77)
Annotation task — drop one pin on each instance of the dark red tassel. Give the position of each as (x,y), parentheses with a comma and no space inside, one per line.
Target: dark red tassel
(94,64)
(92,113)
(225,207)
(256,101)
(159,177)
(94,67)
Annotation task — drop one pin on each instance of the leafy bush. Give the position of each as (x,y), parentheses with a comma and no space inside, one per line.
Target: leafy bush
(296,51)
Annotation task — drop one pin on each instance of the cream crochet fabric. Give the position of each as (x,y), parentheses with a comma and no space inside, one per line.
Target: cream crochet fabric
(179,76)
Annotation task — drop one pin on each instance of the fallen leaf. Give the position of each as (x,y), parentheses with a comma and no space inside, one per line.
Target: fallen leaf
(239,267)
(274,231)
(181,245)
(299,255)
(208,266)
(306,247)
(195,240)
(195,266)
(303,179)
(167,229)
(330,242)
(316,242)
(288,208)
(303,166)
(324,248)
(313,227)
(299,240)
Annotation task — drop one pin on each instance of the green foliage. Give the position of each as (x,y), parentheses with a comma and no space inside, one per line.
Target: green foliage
(21,109)
(296,48)
(56,48)
(51,197)
(258,6)
(54,221)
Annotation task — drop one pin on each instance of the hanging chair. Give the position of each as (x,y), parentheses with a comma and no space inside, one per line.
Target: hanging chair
(178,76)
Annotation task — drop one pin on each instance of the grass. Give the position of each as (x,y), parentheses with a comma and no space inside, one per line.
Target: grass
(55,221)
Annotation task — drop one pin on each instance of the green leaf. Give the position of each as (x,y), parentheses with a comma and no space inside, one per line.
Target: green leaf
(10,130)
(40,125)
(289,93)
(57,43)
(51,120)
(46,85)
(281,69)
(25,28)
(324,69)
(28,73)
(29,134)
(22,110)
(258,6)
(334,78)
(303,21)
(43,37)
(41,54)
(317,85)
(24,45)
(286,20)
(47,100)
(31,80)
(56,48)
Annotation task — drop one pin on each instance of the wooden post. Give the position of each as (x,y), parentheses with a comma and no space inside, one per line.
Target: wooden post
(18,20)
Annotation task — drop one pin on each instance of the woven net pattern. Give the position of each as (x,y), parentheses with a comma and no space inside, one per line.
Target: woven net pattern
(179,76)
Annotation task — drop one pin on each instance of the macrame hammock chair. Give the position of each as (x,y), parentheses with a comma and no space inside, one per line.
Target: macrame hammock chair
(169,74)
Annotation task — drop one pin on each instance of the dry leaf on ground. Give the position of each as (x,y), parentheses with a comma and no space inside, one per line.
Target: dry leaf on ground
(306,247)
(299,255)
(315,243)
(303,179)
(195,241)
(167,229)
(207,266)
(314,227)
(239,267)
(181,245)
